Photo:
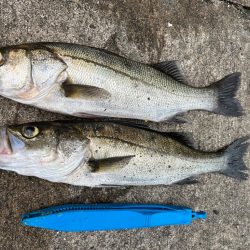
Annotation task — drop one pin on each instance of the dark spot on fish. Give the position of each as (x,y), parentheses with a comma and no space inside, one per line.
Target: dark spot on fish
(215,211)
(99,147)
(169,166)
(96,151)
(149,170)
(149,98)
(105,109)
(92,26)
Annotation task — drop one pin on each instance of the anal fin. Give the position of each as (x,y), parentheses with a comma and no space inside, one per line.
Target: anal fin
(86,115)
(187,181)
(179,119)
(112,186)
(108,165)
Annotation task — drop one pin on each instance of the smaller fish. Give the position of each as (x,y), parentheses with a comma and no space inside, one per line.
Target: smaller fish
(103,154)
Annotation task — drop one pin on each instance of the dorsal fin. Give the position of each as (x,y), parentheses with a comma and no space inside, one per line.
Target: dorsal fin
(126,122)
(171,68)
(183,138)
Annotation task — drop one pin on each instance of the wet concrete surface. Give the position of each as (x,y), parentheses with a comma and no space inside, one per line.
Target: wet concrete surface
(211,39)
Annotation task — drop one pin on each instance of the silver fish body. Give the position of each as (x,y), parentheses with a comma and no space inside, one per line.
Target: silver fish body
(99,154)
(88,82)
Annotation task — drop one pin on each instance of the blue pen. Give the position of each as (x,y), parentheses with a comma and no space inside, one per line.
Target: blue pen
(93,217)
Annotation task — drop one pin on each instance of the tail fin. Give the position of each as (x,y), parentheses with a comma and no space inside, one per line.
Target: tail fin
(235,164)
(226,88)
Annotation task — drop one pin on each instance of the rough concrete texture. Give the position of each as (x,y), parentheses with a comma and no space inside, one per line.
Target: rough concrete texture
(243,3)
(211,39)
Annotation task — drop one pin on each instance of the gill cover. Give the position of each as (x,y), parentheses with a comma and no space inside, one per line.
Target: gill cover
(14,72)
(27,74)
(47,151)
(46,71)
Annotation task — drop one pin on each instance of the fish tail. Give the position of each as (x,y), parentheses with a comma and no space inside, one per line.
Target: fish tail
(226,89)
(235,165)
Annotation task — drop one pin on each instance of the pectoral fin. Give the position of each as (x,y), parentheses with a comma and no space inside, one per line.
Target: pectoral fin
(46,70)
(109,164)
(77,91)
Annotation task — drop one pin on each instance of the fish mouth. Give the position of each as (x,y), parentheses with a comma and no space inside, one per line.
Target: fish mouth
(5,145)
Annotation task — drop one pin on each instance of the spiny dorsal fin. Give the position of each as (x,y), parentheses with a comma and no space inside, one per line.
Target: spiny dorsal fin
(108,165)
(130,123)
(184,138)
(171,68)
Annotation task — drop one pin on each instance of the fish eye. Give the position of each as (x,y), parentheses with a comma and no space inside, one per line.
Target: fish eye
(30,132)
(1,59)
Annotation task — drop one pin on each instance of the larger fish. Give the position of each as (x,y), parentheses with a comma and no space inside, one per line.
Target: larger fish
(89,82)
(104,154)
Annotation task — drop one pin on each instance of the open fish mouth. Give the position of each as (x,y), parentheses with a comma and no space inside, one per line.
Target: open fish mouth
(5,144)
(10,144)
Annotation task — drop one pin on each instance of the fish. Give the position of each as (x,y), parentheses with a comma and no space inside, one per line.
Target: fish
(107,154)
(88,82)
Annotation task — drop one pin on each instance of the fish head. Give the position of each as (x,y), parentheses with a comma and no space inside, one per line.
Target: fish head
(28,74)
(15,72)
(46,150)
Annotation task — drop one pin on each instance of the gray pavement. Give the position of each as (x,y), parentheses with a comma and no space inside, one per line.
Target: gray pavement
(211,39)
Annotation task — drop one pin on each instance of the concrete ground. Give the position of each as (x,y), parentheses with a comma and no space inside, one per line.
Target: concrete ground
(211,38)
